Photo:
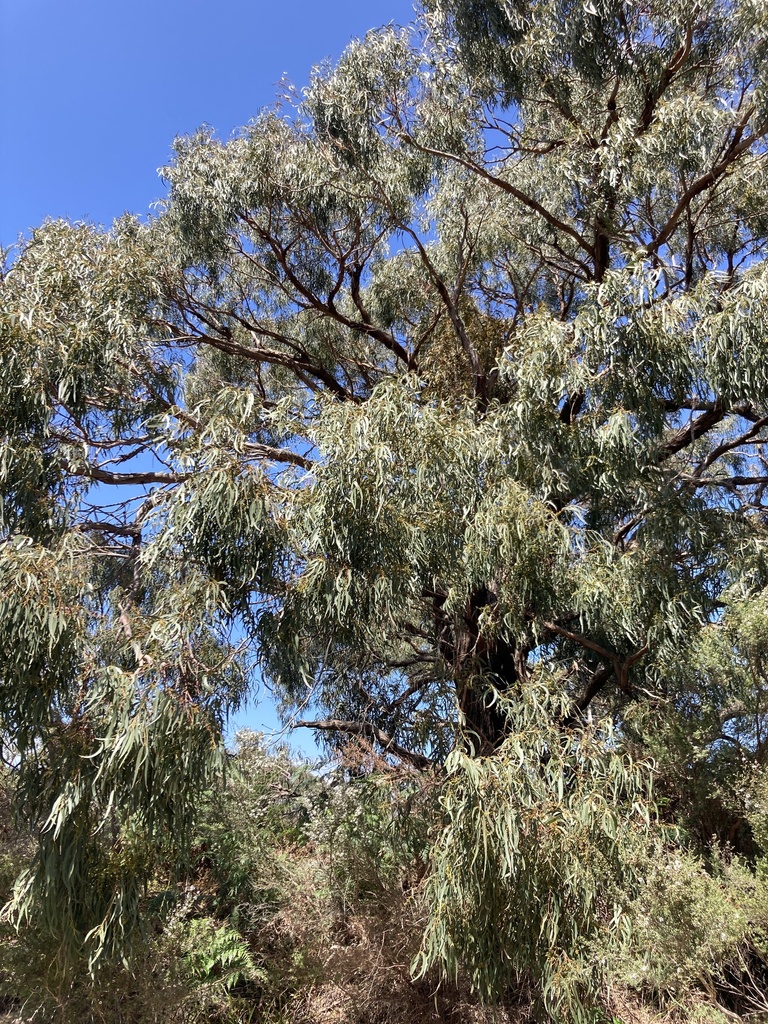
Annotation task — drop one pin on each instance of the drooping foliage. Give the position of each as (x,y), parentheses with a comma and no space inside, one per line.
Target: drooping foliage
(451,381)
(535,858)
(304,898)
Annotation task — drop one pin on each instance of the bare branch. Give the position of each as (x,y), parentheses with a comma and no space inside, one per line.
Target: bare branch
(138,478)
(371,732)
(693,430)
(737,146)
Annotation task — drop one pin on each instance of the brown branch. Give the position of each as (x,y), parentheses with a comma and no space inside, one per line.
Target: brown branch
(267,451)
(329,308)
(582,641)
(371,732)
(706,181)
(255,448)
(416,686)
(743,409)
(728,446)
(620,666)
(582,702)
(505,186)
(300,366)
(365,316)
(119,529)
(103,476)
(693,430)
(481,384)
(726,482)
(679,57)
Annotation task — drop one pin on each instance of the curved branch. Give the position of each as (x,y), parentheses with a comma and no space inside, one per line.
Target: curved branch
(505,186)
(370,732)
(706,181)
(103,476)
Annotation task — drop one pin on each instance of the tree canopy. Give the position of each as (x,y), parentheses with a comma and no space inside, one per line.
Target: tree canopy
(440,399)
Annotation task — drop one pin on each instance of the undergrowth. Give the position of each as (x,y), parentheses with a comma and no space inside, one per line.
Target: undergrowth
(306,897)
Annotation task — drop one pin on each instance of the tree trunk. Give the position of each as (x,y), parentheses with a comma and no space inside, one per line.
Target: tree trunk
(484,669)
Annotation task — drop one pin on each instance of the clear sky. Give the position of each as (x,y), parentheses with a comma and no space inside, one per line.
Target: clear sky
(95,91)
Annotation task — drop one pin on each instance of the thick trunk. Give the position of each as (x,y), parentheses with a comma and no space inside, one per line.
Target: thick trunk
(484,669)
(484,724)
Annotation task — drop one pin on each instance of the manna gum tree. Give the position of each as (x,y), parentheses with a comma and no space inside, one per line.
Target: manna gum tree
(446,390)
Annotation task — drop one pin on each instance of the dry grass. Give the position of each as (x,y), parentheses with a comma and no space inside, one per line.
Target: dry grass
(365,979)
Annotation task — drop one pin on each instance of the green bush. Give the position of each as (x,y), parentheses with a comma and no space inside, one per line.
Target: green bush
(698,932)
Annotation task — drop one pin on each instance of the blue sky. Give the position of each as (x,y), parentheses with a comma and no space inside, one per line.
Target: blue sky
(95,91)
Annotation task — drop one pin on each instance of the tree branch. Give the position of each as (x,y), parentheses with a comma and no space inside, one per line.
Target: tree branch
(693,430)
(706,181)
(103,476)
(505,186)
(371,732)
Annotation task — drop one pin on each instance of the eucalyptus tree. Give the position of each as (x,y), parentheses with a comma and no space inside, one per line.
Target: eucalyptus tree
(445,385)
